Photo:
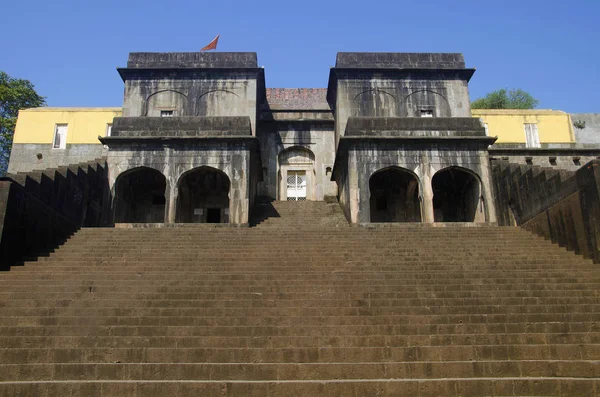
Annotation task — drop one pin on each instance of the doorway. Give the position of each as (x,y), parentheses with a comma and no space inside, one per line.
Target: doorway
(296,186)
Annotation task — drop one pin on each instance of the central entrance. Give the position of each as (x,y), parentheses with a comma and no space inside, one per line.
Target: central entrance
(296,174)
(296,186)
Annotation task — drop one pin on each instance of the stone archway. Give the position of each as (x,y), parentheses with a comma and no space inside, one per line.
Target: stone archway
(203,196)
(456,196)
(297,174)
(394,196)
(140,196)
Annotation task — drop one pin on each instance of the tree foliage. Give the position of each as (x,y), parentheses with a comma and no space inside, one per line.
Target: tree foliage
(15,94)
(506,99)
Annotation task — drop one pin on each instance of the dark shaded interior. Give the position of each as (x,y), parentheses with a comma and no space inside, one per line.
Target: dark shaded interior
(140,197)
(455,196)
(394,196)
(203,197)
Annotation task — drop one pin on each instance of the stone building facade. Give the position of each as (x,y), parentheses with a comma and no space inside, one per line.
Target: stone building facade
(392,138)
(200,138)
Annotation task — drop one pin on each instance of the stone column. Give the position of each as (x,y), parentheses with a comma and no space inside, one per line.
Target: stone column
(427,196)
(427,190)
(486,182)
(353,187)
(171,203)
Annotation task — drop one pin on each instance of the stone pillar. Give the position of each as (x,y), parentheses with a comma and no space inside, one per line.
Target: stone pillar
(427,197)
(171,203)
(427,190)
(486,182)
(353,187)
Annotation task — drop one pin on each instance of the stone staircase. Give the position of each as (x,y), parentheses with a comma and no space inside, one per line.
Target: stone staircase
(302,305)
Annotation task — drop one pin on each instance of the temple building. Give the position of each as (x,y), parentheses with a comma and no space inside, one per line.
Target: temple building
(200,139)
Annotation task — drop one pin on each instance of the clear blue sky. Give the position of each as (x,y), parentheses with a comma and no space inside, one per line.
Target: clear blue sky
(70,49)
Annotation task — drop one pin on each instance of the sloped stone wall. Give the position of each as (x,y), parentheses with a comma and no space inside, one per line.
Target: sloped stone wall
(561,206)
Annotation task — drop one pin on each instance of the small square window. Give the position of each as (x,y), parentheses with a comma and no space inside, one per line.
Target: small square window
(166,113)
(426,113)
(529,160)
(552,160)
(577,161)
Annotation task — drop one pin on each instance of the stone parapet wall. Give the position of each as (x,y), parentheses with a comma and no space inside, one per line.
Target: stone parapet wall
(591,133)
(26,157)
(562,206)
(192,60)
(556,156)
(367,60)
(39,210)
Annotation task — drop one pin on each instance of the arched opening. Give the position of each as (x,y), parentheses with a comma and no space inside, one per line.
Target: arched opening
(203,196)
(427,103)
(394,196)
(374,103)
(166,101)
(218,103)
(297,174)
(456,195)
(140,196)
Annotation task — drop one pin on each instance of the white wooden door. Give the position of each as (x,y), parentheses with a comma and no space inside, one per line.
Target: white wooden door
(296,186)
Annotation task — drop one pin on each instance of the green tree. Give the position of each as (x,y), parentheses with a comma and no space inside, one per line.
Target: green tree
(506,99)
(15,94)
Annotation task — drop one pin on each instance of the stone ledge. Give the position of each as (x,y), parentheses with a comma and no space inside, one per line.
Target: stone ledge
(414,127)
(192,60)
(399,60)
(199,127)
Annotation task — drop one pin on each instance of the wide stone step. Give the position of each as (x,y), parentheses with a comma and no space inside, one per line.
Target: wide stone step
(552,329)
(108,317)
(301,371)
(330,341)
(300,354)
(447,387)
(339,299)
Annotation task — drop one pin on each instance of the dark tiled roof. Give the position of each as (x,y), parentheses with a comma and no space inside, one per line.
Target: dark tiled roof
(297,98)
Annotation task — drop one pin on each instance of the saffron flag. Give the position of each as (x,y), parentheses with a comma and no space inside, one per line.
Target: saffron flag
(212,45)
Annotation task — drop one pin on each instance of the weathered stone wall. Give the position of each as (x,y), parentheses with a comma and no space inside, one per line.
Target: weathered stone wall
(561,206)
(192,93)
(558,156)
(38,210)
(421,146)
(424,160)
(175,158)
(591,132)
(26,157)
(398,85)
(400,95)
(275,137)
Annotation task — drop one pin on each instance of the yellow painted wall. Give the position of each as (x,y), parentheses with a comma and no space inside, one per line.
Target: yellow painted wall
(554,126)
(84,124)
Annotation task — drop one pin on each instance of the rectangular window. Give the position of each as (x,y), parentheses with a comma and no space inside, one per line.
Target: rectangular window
(532,138)
(108,129)
(487,129)
(426,113)
(60,136)
(166,113)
